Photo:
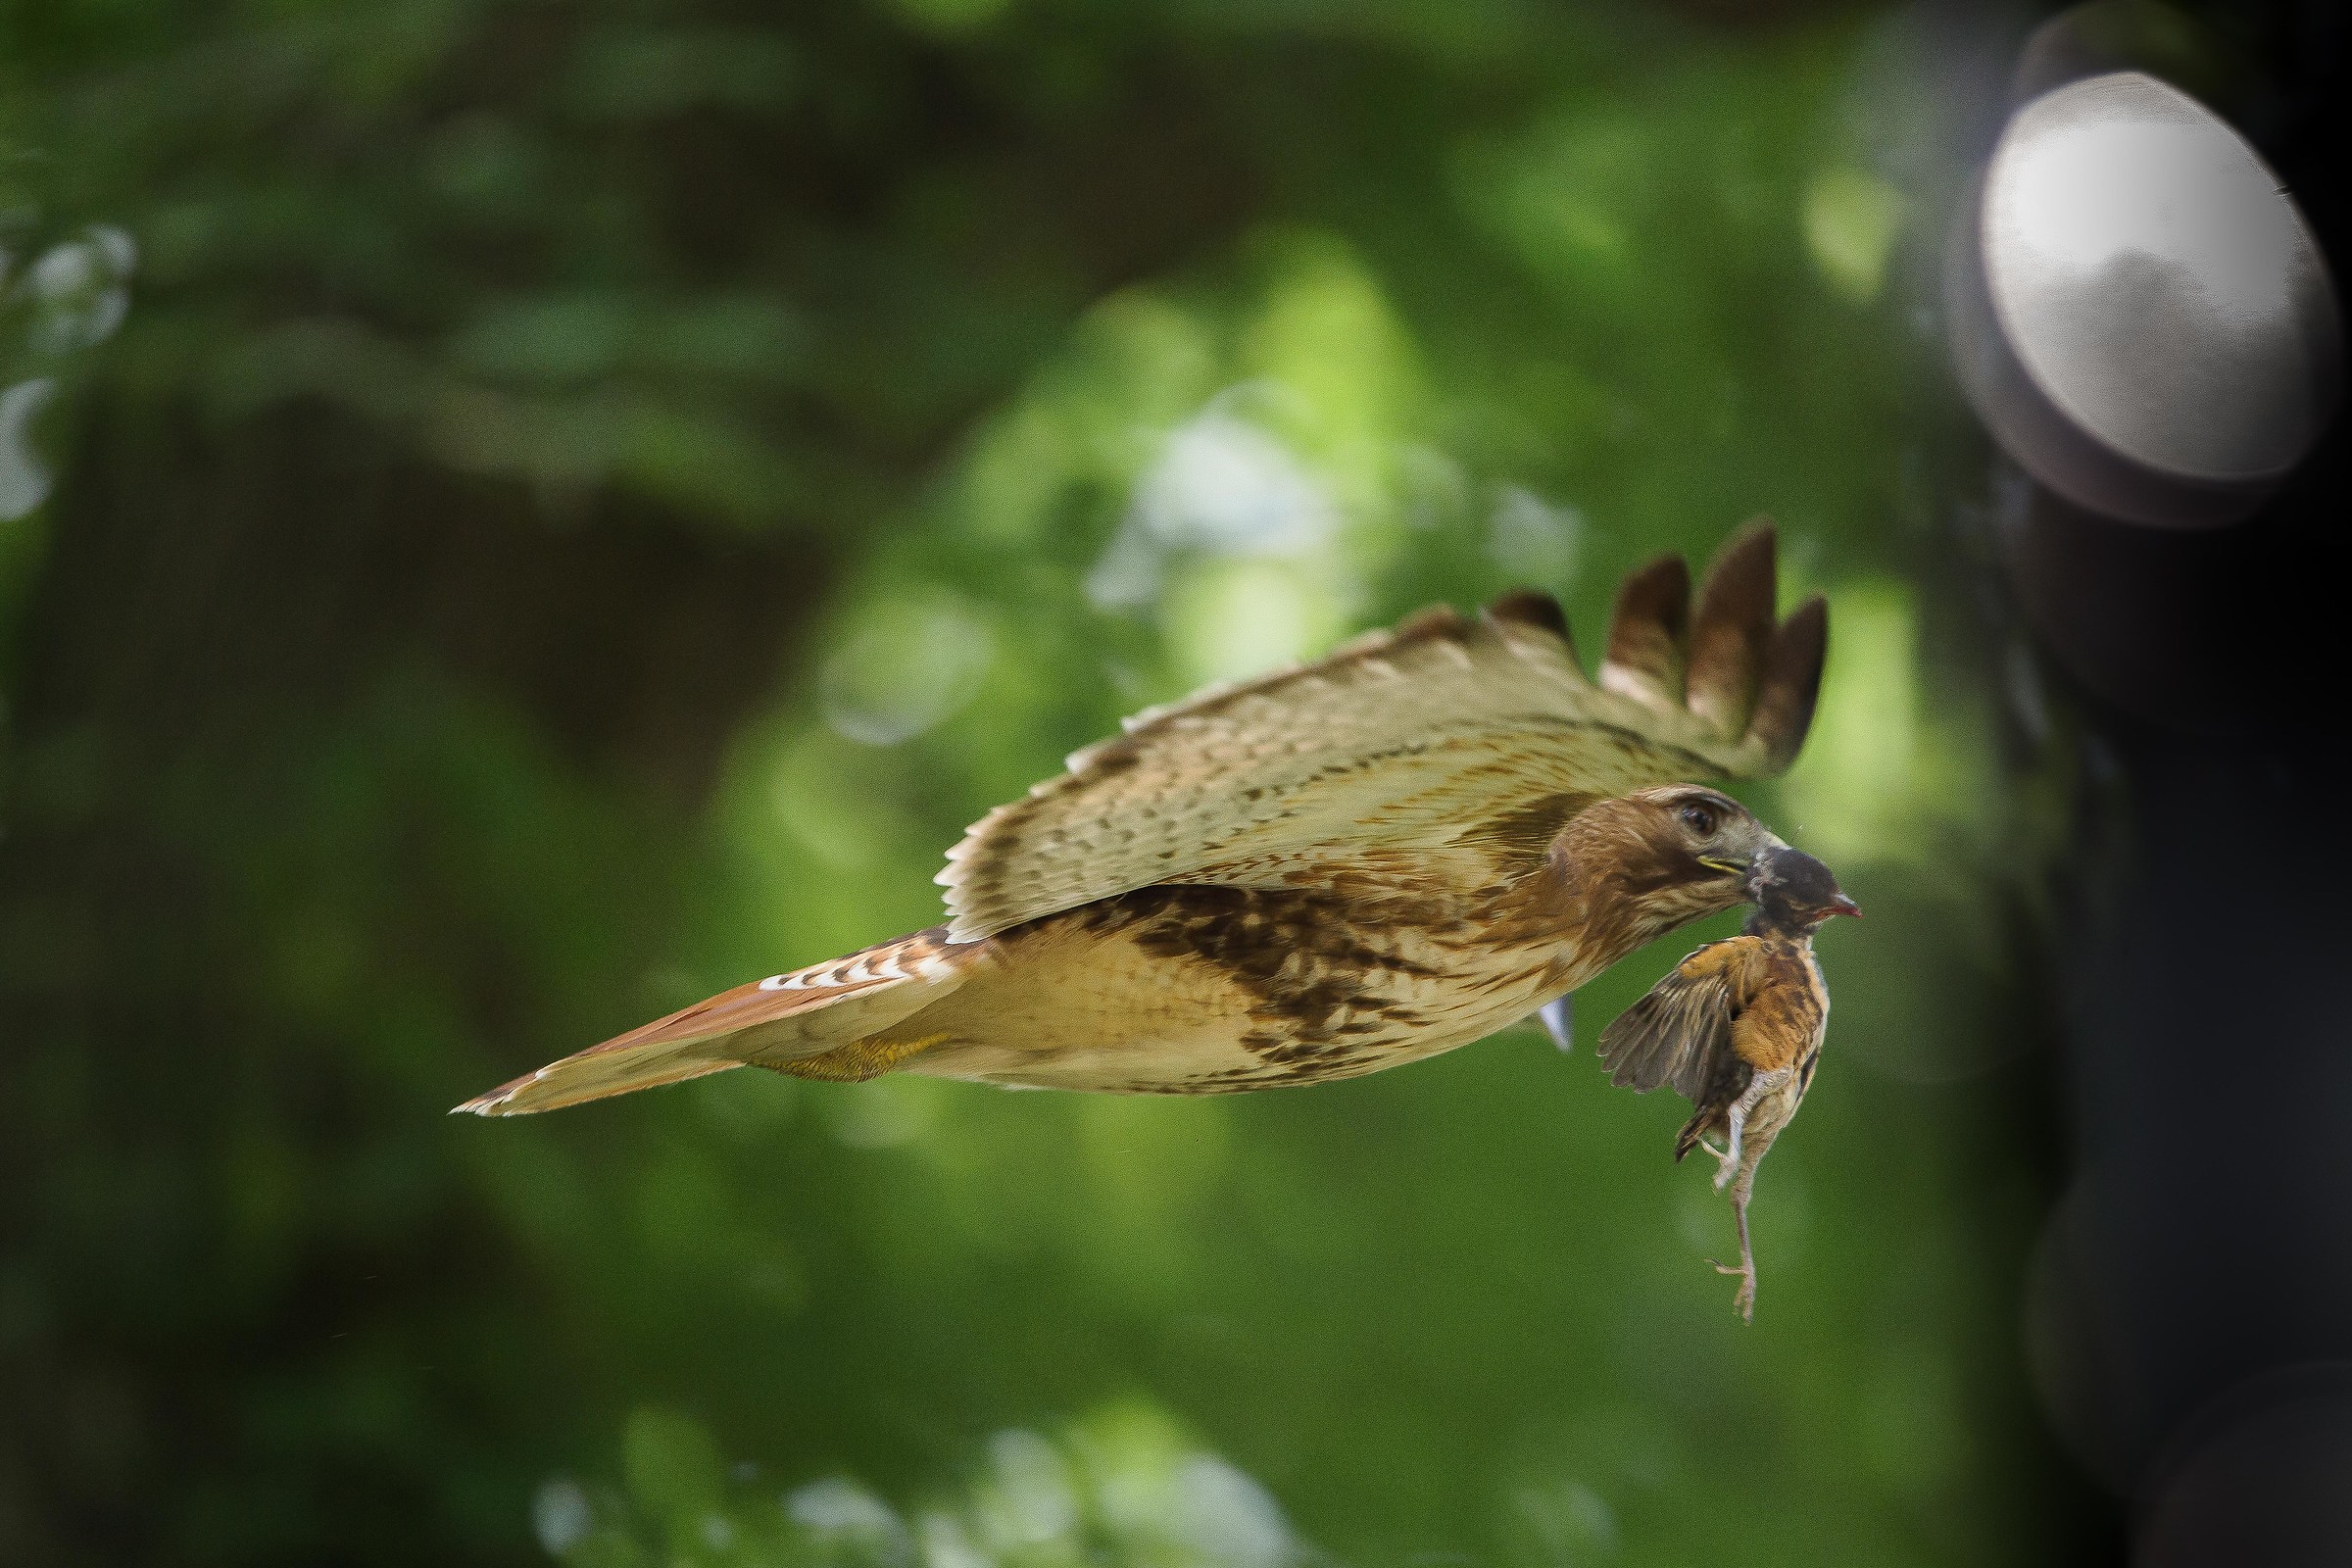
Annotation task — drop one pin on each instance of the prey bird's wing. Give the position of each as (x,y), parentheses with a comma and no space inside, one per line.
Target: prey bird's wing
(1682,1030)
(1450,748)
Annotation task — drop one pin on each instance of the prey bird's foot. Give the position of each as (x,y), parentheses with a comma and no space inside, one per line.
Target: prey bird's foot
(1744,1299)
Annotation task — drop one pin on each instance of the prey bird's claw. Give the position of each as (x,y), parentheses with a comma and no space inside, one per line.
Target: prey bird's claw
(1744,1299)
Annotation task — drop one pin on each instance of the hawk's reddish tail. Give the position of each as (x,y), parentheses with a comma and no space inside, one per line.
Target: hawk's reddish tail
(775,1023)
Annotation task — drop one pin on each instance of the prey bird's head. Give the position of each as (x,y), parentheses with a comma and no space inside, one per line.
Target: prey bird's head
(1794,891)
(1649,862)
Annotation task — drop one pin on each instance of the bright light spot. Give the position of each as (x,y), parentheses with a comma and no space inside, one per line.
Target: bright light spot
(1225,1516)
(1221,486)
(947,1545)
(1532,539)
(1032,1501)
(1852,219)
(912,663)
(561,1516)
(2157,284)
(1221,483)
(78,290)
(24,479)
(1227,619)
(841,1509)
(2076,197)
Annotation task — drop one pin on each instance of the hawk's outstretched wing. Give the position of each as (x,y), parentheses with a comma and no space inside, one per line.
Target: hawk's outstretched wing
(1449,748)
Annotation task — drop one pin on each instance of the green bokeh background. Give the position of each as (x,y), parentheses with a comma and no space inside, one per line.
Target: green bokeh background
(528,513)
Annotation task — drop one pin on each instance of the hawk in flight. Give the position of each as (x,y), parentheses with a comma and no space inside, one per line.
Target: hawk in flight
(1407,844)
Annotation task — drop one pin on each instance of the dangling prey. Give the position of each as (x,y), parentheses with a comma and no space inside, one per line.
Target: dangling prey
(1736,1029)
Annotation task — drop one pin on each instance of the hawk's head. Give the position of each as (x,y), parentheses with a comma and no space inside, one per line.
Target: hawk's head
(1643,864)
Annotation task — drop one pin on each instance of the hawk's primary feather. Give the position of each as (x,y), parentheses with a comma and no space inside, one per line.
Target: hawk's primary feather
(1445,748)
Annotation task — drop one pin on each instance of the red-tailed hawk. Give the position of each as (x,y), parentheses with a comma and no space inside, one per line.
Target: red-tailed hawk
(1331,869)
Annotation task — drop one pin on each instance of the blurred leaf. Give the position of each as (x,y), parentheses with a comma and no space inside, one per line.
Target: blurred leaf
(672,1468)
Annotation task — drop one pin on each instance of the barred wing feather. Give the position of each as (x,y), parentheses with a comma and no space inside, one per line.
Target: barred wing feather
(1440,749)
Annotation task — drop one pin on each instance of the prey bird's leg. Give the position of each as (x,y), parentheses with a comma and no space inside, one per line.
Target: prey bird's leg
(1758,1086)
(1729,1160)
(1744,1301)
(1722,1155)
(1741,1174)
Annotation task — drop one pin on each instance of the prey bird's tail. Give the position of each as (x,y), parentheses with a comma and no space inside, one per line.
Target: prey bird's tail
(805,1021)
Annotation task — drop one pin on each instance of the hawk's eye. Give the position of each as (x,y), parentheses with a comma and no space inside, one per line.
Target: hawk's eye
(1699,819)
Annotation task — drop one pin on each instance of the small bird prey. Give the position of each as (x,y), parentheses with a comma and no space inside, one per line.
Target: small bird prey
(1737,1028)
(1397,850)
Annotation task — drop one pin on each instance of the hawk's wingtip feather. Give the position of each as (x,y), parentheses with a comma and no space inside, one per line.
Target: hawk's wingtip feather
(1648,626)
(1791,686)
(1731,635)
(1531,607)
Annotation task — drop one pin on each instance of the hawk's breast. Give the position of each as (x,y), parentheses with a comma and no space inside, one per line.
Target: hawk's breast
(1202,990)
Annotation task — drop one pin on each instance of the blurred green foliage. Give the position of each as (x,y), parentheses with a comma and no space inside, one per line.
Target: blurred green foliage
(586,500)
(1121,1485)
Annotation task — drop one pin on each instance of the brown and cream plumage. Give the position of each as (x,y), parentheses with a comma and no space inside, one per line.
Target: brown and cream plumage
(1334,868)
(1736,1029)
